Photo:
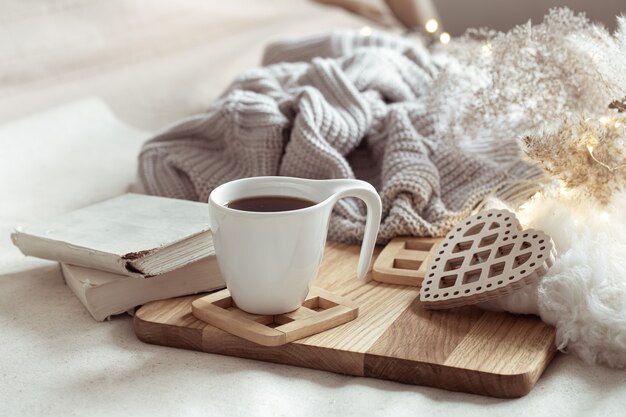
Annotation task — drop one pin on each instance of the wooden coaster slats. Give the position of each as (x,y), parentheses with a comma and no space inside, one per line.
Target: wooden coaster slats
(218,310)
(403,261)
(320,311)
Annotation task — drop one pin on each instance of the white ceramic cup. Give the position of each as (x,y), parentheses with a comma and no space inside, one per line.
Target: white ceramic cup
(270,259)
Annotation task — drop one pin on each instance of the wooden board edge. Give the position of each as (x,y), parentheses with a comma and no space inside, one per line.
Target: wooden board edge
(373,366)
(290,354)
(507,386)
(151,332)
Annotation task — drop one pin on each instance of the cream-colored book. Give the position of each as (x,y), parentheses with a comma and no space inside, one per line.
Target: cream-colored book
(133,234)
(105,294)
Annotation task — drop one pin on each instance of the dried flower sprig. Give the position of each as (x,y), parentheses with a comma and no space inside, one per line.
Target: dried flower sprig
(495,87)
(585,154)
(503,85)
(619,105)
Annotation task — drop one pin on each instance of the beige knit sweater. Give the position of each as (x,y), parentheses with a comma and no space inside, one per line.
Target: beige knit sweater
(339,105)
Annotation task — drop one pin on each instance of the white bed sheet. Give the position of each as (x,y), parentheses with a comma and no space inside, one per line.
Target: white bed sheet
(54,359)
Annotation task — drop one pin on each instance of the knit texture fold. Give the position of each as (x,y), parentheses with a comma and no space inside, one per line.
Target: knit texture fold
(339,105)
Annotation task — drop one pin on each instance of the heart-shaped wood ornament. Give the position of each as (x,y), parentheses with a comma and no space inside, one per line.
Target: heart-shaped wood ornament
(487,256)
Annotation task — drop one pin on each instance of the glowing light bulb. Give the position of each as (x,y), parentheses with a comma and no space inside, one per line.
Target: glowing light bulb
(432,25)
(444,38)
(604,120)
(565,192)
(486,49)
(365,31)
(604,216)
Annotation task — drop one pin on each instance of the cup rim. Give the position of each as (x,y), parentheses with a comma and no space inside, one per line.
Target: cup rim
(213,203)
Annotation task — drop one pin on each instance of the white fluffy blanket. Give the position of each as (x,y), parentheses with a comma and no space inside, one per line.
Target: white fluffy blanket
(584,293)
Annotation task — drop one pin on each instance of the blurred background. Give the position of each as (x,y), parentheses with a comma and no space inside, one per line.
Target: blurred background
(154,61)
(458,15)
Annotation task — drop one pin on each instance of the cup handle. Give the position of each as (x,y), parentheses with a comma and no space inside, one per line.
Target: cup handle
(366,192)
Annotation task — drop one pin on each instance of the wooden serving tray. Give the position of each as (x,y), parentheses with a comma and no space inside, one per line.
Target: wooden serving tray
(394,337)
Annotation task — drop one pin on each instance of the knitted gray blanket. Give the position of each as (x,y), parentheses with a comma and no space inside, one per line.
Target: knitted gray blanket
(339,105)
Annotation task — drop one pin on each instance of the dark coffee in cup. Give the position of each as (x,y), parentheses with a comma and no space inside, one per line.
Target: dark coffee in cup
(269,203)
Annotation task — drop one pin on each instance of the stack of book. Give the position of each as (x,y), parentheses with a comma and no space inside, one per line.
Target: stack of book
(127,251)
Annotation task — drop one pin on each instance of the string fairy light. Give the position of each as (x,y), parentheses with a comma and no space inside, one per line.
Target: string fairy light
(365,31)
(444,38)
(487,49)
(610,168)
(591,141)
(431,25)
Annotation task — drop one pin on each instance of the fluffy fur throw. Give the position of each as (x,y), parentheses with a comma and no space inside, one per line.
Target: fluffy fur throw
(584,293)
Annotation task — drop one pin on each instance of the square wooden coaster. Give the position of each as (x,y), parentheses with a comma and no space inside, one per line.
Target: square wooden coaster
(404,259)
(320,311)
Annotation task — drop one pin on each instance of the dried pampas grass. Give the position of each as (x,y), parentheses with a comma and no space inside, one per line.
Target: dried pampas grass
(497,85)
(587,154)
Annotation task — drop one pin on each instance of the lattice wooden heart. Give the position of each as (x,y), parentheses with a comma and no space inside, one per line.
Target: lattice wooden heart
(487,256)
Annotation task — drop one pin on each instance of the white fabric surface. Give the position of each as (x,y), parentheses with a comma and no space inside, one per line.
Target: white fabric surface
(55,360)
